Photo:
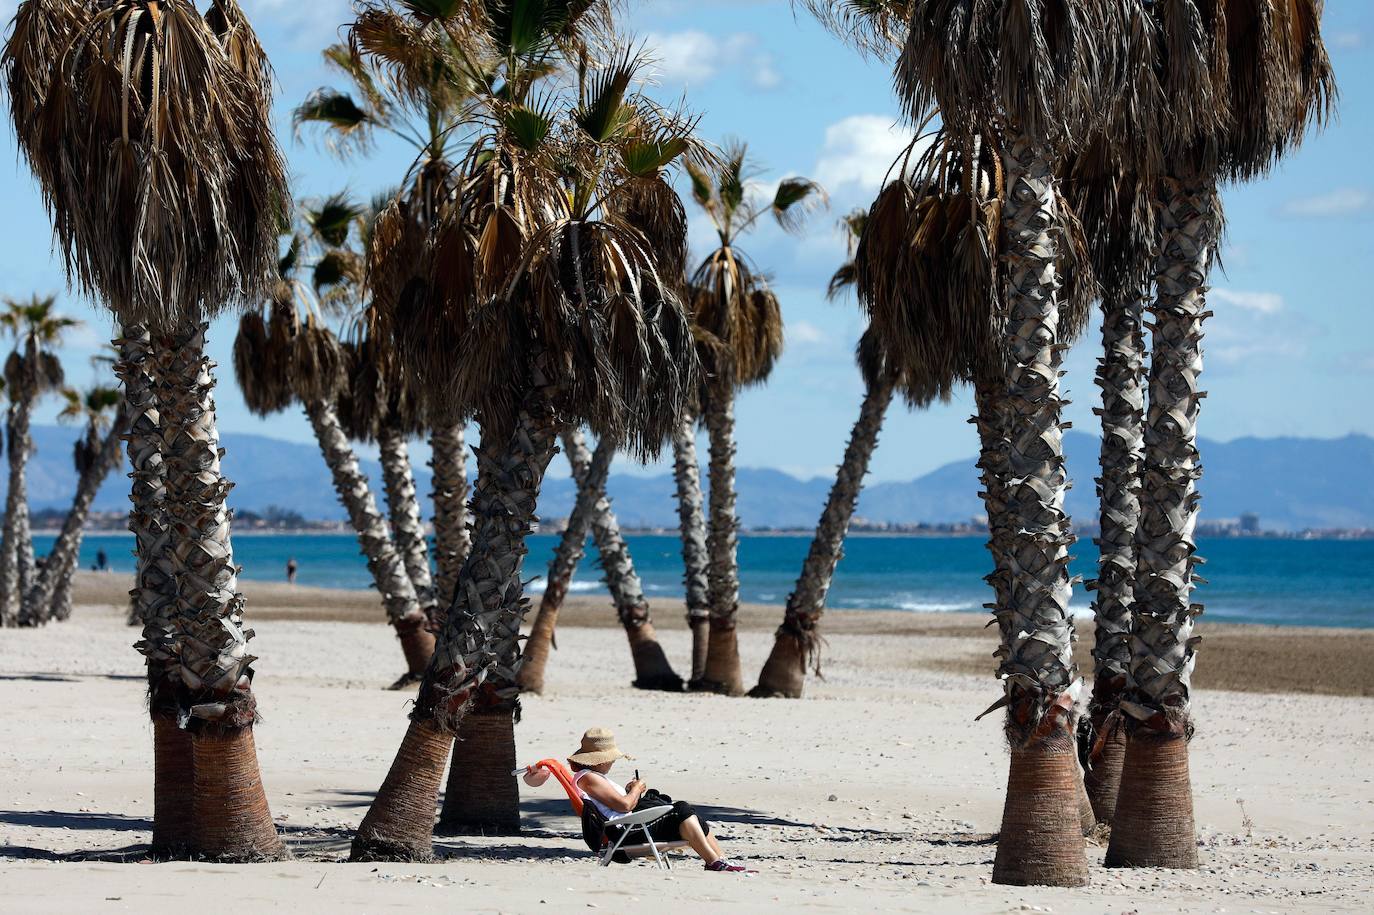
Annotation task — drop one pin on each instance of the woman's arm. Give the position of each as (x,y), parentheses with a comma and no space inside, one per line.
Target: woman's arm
(599,788)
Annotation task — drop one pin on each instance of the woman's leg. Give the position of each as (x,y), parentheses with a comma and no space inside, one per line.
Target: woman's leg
(693,835)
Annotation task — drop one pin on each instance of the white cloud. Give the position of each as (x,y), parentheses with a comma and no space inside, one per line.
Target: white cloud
(805,332)
(693,57)
(1345,40)
(859,151)
(312,24)
(1265,303)
(1351,201)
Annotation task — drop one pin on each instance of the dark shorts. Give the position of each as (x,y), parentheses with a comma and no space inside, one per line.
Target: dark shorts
(668,829)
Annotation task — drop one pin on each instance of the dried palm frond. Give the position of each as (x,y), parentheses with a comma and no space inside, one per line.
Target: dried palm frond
(1043,68)
(318,367)
(261,373)
(873,27)
(153,145)
(733,304)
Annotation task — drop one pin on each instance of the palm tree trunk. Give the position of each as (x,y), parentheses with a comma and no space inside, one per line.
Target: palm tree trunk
(590,476)
(796,644)
(154,597)
(723,673)
(16,510)
(407,529)
(1154,814)
(448,461)
(216,701)
(652,670)
(50,595)
(1041,840)
(28,563)
(481,798)
(476,660)
(389,577)
(1118,490)
(692,522)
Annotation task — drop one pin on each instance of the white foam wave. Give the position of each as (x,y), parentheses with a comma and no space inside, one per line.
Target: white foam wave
(540,585)
(918,606)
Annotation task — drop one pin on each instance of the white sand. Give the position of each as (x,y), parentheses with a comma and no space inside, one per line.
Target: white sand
(918,788)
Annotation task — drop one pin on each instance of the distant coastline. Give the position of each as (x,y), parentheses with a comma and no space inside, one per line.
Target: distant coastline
(250,524)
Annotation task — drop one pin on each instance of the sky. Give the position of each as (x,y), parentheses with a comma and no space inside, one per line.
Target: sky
(1290,351)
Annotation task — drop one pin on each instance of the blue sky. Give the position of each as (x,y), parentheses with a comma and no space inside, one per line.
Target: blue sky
(1290,351)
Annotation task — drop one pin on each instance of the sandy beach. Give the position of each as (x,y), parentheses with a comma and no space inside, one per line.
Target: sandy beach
(876,793)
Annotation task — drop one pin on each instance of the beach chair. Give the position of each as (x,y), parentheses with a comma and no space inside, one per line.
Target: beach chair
(594,824)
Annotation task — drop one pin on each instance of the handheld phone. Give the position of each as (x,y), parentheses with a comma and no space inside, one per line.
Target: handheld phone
(636,775)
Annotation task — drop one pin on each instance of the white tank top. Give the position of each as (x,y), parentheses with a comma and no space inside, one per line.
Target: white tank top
(607,812)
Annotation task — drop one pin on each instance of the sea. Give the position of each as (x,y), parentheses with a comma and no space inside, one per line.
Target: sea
(1249,580)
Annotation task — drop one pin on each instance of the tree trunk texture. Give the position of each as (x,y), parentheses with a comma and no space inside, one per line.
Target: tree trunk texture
(481,798)
(652,670)
(590,476)
(692,523)
(50,595)
(403,506)
(723,674)
(448,461)
(1158,720)
(216,701)
(19,443)
(1037,666)
(1119,375)
(797,645)
(24,555)
(389,576)
(476,659)
(154,595)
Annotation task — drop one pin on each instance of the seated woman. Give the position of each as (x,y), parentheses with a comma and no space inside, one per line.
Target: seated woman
(592,763)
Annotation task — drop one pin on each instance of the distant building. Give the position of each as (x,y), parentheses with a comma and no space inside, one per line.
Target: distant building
(1249,523)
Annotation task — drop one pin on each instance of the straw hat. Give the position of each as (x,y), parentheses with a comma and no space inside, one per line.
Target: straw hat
(598,746)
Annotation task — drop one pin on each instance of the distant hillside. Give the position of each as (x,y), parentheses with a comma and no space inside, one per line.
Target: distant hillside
(1291,483)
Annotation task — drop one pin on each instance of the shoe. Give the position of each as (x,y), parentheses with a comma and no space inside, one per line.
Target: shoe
(725,867)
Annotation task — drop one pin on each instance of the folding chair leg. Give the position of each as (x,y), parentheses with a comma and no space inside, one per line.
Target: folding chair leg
(653,847)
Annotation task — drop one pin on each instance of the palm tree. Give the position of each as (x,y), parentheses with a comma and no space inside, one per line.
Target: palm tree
(31,371)
(1115,210)
(1025,83)
(1240,85)
(796,646)
(294,357)
(740,323)
(545,311)
(409,83)
(148,127)
(96,455)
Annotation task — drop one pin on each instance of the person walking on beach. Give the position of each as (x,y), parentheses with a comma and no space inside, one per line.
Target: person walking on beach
(102,562)
(291,568)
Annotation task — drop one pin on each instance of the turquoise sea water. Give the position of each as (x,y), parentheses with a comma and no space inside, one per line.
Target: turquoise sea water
(1281,582)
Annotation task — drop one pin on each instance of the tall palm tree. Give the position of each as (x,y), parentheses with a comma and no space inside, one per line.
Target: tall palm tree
(295,357)
(32,370)
(148,126)
(1114,207)
(545,310)
(96,455)
(796,646)
(1027,82)
(740,323)
(418,91)
(1241,84)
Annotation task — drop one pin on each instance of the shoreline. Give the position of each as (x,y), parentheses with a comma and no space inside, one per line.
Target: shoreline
(1244,657)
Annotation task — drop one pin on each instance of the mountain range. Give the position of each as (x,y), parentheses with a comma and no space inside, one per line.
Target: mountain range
(1291,483)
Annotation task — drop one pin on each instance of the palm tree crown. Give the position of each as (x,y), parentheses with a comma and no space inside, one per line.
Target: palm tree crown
(148,126)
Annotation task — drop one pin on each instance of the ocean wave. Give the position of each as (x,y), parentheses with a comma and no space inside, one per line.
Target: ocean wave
(538,586)
(920,606)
